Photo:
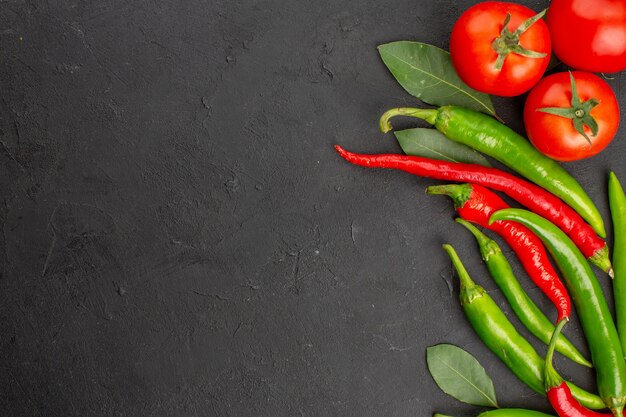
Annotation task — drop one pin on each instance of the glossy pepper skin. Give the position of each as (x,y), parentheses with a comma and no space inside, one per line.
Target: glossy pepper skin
(566,405)
(617,203)
(500,336)
(557,391)
(525,309)
(476,204)
(591,306)
(489,136)
(530,195)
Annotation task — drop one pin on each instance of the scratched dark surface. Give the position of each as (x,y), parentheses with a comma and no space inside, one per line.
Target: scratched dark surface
(179,238)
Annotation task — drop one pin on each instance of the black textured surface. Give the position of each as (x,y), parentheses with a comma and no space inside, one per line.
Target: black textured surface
(179,237)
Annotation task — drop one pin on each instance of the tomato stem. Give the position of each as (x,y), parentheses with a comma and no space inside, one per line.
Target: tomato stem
(579,112)
(509,42)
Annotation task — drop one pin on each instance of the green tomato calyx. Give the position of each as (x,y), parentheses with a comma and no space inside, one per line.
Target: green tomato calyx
(508,42)
(579,112)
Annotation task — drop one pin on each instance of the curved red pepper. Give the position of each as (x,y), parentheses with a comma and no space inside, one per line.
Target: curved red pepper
(566,405)
(476,204)
(558,392)
(530,195)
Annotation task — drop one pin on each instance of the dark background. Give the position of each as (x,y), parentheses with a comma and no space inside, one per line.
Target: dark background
(179,237)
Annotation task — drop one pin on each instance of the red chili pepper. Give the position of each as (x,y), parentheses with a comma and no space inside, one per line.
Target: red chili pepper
(530,195)
(566,405)
(476,204)
(557,391)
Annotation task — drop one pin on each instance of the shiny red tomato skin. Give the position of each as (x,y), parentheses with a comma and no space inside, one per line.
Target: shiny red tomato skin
(474,59)
(589,35)
(555,136)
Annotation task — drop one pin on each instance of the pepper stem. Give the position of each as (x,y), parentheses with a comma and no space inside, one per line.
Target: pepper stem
(470,291)
(579,112)
(429,115)
(466,280)
(487,246)
(459,193)
(601,259)
(509,42)
(552,378)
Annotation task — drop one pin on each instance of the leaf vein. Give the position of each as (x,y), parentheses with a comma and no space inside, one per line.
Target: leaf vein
(441,80)
(469,382)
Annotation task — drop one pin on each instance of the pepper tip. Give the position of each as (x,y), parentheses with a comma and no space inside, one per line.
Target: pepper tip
(341,151)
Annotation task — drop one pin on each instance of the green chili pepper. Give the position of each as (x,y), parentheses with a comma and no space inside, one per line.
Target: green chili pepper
(487,135)
(525,309)
(617,202)
(501,337)
(507,412)
(593,311)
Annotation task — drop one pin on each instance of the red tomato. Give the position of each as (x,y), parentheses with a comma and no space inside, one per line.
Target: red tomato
(474,55)
(589,34)
(556,136)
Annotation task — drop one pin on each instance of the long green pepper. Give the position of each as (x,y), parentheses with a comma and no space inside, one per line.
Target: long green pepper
(500,336)
(525,309)
(487,135)
(593,311)
(617,203)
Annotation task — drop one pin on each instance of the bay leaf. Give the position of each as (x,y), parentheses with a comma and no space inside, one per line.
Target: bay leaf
(460,375)
(426,72)
(431,143)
